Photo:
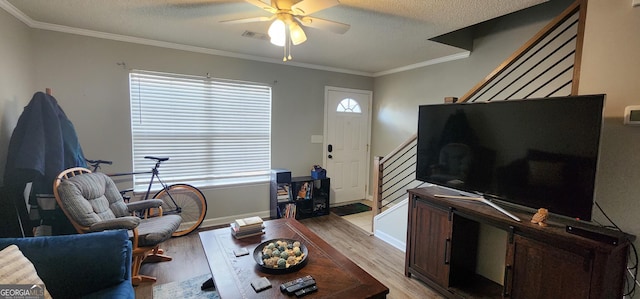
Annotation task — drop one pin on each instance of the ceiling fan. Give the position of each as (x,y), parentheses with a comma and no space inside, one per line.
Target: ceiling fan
(288,16)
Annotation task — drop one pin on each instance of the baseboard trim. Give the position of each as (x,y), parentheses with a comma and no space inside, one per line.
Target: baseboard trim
(402,245)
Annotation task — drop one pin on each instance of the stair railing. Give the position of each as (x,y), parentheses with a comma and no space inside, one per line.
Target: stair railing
(394,174)
(547,65)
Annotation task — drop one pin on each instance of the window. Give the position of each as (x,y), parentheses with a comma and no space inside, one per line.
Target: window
(215,132)
(349,105)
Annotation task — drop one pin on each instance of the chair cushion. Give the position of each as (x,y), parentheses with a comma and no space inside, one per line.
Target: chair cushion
(17,269)
(91,197)
(155,230)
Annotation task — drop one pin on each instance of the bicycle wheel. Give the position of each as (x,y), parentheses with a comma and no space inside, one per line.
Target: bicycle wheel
(186,201)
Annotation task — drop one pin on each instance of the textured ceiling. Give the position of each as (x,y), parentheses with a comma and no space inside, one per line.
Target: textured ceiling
(384,35)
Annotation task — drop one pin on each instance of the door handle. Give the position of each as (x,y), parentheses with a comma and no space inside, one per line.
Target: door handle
(446,251)
(505,284)
(330,148)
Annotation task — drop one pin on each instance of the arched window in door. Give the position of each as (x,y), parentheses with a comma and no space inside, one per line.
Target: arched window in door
(349,105)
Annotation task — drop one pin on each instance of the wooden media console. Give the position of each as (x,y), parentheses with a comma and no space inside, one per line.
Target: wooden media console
(540,262)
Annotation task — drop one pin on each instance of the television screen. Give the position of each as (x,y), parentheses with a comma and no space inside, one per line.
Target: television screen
(537,153)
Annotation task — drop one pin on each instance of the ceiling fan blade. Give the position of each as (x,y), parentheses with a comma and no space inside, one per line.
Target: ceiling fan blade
(262,5)
(323,24)
(307,7)
(248,20)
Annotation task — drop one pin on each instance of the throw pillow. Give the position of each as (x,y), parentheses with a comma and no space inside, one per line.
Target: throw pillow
(17,269)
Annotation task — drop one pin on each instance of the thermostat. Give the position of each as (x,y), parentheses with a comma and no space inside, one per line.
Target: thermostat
(632,115)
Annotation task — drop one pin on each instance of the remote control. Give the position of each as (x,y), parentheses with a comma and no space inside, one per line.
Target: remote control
(306,290)
(284,286)
(299,286)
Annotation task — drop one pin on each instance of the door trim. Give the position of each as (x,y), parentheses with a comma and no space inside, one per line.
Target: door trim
(369,94)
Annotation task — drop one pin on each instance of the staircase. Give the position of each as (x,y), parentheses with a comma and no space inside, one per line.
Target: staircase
(547,65)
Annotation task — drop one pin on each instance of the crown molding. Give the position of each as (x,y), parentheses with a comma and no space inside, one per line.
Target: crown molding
(163,44)
(16,13)
(444,59)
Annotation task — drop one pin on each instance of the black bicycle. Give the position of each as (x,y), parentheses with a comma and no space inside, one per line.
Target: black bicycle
(180,199)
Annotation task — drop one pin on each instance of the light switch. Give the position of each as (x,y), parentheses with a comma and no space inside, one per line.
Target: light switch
(317,138)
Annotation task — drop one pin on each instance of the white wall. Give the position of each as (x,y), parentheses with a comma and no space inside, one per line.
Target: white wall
(16,80)
(391,225)
(92,88)
(611,65)
(16,89)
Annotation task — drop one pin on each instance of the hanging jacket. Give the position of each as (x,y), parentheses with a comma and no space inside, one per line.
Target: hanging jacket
(43,143)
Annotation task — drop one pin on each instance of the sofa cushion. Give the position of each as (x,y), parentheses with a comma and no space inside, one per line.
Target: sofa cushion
(17,269)
(74,266)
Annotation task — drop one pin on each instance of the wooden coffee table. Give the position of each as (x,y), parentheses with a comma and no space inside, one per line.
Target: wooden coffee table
(336,276)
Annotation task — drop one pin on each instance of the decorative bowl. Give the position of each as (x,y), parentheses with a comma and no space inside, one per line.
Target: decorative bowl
(258,254)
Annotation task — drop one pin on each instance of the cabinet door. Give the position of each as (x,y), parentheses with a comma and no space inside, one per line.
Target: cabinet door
(541,270)
(431,242)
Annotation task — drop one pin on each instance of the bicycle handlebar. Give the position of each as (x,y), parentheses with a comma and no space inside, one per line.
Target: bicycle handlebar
(98,162)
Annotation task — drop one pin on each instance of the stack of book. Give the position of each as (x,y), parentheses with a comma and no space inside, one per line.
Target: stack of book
(247,227)
(290,211)
(283,192)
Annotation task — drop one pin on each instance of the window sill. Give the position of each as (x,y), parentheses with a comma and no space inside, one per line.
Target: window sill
(212,184)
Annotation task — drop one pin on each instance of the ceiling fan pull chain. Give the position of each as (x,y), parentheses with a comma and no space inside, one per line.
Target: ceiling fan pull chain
(284,55)
(290,47)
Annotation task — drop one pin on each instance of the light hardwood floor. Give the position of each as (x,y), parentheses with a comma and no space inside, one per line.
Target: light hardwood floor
(362,220)
(381,260)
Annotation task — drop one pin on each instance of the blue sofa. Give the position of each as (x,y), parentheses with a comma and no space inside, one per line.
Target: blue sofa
(95,265)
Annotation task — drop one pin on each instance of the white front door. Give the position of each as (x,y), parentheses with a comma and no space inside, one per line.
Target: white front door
(346,146)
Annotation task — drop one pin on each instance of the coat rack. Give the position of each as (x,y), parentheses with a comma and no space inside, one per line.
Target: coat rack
(14,218)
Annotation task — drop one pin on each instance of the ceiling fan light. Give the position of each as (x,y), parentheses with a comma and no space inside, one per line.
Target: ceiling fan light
(277,33)
(297,34)
(278,42)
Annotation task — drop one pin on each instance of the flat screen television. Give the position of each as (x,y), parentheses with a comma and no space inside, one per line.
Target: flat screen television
(533,153)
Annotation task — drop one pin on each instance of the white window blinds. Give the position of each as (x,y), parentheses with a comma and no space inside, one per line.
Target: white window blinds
(215,132)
